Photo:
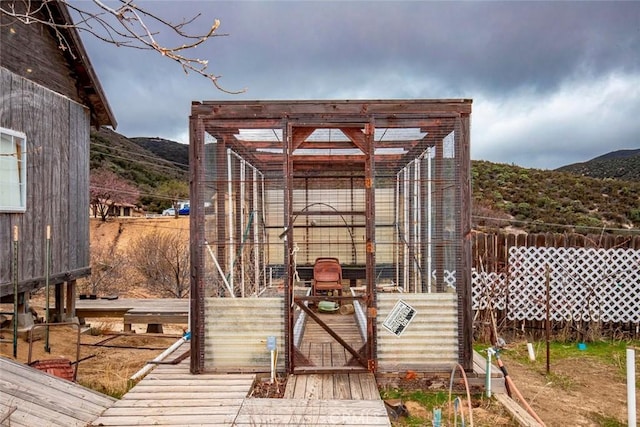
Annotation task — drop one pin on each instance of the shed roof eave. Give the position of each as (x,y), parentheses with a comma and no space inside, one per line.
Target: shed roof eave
(101,112)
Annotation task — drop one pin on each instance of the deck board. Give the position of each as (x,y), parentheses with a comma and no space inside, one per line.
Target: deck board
(332,386)
(169,395)
(323,350)
(284,412)
(43,399)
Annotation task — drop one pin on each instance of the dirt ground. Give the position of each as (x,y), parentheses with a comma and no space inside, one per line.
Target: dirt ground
(582,391)
(107,367)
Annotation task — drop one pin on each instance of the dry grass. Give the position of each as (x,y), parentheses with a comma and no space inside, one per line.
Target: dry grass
(106,369)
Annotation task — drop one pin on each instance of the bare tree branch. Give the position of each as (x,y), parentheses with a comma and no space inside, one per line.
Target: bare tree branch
(127,25)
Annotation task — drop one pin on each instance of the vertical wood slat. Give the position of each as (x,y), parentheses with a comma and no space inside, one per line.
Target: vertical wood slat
(10,117)
(60,168)
(196,224)
(20,120)
(56,187)
(491,251)
(463,175)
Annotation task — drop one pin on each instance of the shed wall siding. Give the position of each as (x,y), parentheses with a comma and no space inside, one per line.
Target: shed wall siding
(236,331)
(57,131)
(430,341)
(43,62)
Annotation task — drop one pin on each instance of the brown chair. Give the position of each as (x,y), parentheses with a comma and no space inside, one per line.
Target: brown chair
(327,275)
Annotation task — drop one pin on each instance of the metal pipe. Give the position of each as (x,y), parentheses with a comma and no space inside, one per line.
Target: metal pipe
(490,352)
(15,291)
(405,216)
(416,223)
(224,279)
(149,366)
(256,246)
(429,219)
(631,387)
(396,238)
(241,216)
(229,208)
(46,281)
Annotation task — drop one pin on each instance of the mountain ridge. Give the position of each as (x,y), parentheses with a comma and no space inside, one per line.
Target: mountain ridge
(620,164)
(567,199)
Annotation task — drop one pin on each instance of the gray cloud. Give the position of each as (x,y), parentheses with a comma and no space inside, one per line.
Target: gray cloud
(553,82)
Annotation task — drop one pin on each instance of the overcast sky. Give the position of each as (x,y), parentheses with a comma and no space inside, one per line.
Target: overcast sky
(552,83)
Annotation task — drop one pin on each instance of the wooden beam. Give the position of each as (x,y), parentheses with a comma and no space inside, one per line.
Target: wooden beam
(354,353)
(358,108)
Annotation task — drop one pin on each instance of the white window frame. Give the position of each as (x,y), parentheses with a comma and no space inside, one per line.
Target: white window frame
(13,171)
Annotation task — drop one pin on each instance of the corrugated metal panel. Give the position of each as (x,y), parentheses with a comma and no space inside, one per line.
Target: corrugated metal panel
(429,342)
(236,331)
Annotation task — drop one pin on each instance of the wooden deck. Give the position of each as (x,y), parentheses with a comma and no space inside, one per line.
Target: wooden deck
(323,351)
(312,413)
(29,397)
(171,396)
(352,386)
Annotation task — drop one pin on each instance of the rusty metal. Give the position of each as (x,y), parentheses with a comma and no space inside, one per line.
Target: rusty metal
(50,362)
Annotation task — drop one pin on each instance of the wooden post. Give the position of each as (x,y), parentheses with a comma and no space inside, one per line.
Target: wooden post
(71,300)
(287,149)
(547,320)
(59,297)
(464,265)
(370,251)
(197,240)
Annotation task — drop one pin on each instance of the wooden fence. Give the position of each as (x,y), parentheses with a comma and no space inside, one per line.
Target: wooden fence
(490,251)
(491,268)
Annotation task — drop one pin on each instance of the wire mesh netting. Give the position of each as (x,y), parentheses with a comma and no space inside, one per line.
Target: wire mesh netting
(415,209)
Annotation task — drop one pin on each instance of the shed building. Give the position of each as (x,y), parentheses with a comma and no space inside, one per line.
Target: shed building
(50,99)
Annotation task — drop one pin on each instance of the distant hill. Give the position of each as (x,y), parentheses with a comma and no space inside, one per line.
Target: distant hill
(504,196)
(136,164)
(171,151)
(132,161)
(543,200)
(621,164)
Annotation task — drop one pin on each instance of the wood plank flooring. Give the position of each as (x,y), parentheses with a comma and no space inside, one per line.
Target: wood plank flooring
(171,396)
(351,386)
(323,350)
(29,397)
(307,413)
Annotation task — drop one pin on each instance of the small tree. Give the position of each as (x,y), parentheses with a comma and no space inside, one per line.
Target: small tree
(175,191)
(162,258)
(108,270)
(107,189)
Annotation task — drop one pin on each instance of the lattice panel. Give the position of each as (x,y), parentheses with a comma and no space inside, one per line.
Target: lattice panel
(586,284)
(488,287)
(448,277)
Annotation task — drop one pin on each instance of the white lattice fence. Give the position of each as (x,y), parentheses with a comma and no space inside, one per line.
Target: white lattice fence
(449,278)
(488,288)
(586,284)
